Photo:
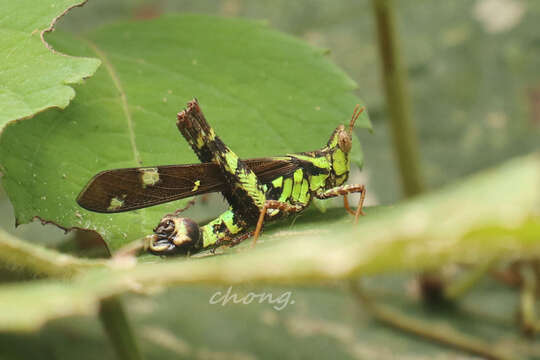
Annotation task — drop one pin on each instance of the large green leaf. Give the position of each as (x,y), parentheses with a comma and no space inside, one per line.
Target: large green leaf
(493,215)
(264,92)
(33,76)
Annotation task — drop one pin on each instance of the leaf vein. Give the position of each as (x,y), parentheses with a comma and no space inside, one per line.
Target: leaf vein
(123,98)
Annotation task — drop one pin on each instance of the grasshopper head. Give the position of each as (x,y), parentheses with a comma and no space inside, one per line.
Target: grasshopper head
(339,146)
(175,235)
(342,138)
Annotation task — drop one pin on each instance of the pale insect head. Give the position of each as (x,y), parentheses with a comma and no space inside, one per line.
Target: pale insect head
(341,137)
(338,149)
(175,235)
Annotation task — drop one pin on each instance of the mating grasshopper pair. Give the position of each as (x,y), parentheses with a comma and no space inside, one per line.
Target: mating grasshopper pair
(257,190)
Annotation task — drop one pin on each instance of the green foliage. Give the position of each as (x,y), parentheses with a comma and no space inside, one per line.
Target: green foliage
(405,237)
(472,89)
(265,93)
(323,323)
(262,91)
(33,77)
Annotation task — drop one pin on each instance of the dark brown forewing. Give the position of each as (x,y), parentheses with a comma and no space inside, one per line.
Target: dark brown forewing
(127,188)
(121,190)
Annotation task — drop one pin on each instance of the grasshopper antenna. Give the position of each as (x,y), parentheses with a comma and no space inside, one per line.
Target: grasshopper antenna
(356,113)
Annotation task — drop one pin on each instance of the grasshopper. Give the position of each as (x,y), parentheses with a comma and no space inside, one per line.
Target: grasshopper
(257,190)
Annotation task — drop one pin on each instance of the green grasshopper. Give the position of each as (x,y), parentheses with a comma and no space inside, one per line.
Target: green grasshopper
(257,190)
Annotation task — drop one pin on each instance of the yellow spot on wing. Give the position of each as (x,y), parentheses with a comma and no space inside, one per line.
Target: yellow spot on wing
(149,176)
(115,204)
(196,185)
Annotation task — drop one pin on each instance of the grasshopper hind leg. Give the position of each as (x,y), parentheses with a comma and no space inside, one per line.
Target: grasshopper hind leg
(244,192)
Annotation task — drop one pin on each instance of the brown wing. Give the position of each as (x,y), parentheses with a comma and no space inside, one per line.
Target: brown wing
(269,168)
(119,190)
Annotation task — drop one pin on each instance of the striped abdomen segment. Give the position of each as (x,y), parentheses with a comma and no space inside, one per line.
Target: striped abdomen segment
(295,188)
(225,228)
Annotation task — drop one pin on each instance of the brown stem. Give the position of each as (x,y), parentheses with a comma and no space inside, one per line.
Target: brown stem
(443,335)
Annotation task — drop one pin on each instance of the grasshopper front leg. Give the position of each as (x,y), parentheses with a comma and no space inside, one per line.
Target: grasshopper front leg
(344,190)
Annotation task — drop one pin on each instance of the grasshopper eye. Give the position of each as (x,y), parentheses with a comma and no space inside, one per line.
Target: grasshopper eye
(175,235)
(166,226)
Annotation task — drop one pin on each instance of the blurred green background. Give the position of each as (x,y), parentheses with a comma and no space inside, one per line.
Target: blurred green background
(472,66)
(475,91)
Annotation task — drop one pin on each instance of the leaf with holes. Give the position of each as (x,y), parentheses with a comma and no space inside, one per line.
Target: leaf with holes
(265,93)
(33,76)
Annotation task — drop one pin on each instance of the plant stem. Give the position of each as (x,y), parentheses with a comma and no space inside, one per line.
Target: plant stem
(459,287)
(442,334)
(395,85)
(528,299)
(116,325)
(21,256)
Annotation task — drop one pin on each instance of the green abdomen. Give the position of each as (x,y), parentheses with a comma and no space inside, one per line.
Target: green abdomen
(224,228)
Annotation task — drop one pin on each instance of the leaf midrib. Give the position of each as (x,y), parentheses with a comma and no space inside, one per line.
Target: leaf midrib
(123,99)
(125,108)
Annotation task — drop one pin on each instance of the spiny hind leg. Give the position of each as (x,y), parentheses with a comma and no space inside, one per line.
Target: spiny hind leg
(195,129)
(344,190)
(273,204)
(245,193)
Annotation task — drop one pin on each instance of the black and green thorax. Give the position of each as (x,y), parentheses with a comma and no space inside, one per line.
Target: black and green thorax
(313,172)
